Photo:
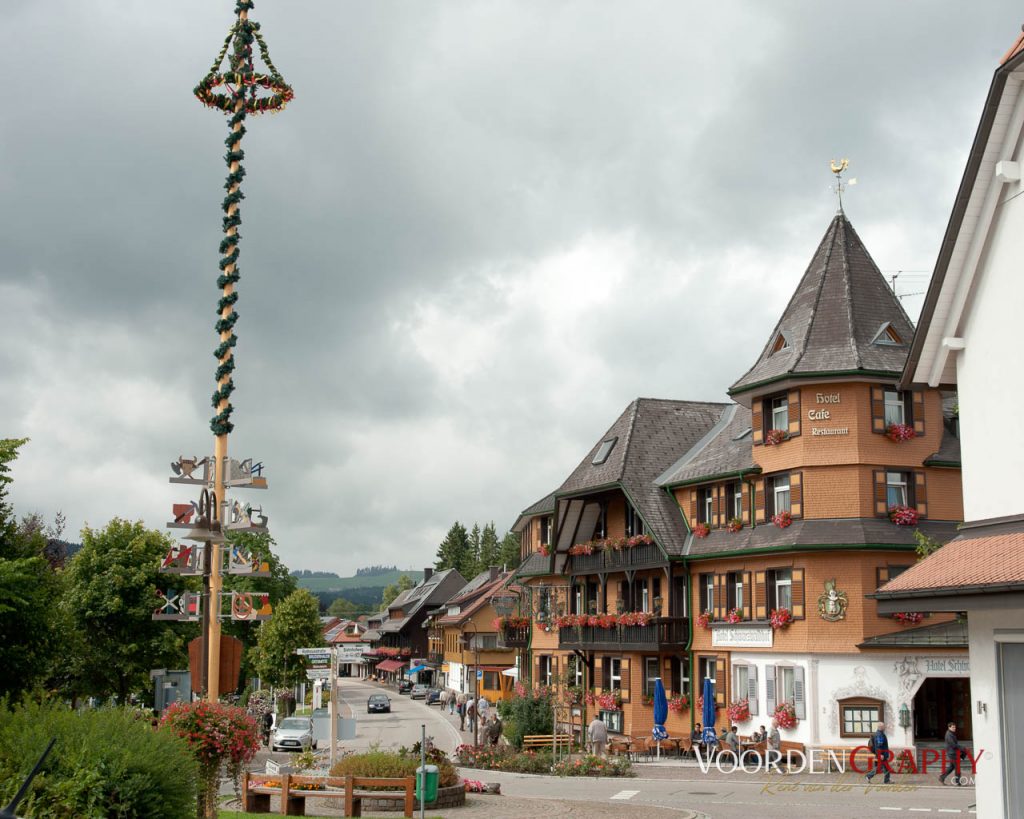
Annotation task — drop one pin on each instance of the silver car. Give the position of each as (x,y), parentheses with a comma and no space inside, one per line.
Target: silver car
(293,734)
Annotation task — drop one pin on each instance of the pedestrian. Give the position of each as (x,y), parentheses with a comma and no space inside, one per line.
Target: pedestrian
(597,732)
(481,707)
(462,714)
(451,702)
(953,751)
(471,714)
(879,746)
(494,730)
(773,745)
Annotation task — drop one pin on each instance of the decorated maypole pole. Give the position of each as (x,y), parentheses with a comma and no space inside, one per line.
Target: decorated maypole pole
(239,91)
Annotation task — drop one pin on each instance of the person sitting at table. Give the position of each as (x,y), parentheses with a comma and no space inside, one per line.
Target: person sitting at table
(760,735)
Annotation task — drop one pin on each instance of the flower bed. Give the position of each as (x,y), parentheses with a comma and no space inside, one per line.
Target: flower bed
(909,618)
(774,437)
(589,765)
(739,711)
(785,715)
(780,618)
(900,432)
(903,515)
(503,758)
(782,520)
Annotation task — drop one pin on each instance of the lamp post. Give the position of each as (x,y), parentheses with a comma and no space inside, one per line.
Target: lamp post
(476,682)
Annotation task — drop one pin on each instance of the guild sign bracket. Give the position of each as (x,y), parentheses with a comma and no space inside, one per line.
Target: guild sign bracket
(184,559)
(239,561)
(186,607)
(245,606)
(244,474)
(184,470)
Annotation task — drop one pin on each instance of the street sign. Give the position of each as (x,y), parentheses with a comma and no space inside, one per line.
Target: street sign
(479,675)
(318,674)
(318,650)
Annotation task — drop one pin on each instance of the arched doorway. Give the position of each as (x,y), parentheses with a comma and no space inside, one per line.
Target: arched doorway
(939,701)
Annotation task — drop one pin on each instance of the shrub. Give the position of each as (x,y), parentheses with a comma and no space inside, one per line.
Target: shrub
(105,763)
(504,758)
(392,764)
(590,765)
(527,713)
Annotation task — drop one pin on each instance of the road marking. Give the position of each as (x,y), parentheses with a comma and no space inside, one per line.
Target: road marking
(625,795)
(920,810)
(949,810)
(890,808)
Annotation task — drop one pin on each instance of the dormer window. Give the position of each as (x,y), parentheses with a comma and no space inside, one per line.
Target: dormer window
(779,344)
(887,335)
(604,450)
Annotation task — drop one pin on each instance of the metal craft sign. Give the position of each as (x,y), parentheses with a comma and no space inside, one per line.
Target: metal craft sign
(741,636)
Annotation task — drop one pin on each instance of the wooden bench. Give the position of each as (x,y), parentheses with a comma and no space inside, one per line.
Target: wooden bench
(542,741)
(295,789)
(786,748)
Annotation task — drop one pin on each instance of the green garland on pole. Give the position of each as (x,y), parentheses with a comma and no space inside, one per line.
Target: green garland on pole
(240,97)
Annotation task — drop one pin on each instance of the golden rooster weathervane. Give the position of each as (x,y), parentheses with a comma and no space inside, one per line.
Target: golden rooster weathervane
(838,168)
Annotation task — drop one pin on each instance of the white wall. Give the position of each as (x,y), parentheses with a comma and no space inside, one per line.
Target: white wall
(455,676)
(989,375)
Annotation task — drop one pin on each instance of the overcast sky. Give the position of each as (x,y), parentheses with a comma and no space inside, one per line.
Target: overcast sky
(477,233)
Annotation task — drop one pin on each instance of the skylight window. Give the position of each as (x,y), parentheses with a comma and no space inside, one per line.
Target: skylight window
(604,450)
(887,335)
(780,344)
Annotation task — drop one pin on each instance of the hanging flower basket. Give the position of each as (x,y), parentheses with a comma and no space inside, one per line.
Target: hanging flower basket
(704,619)
(775,437)
(734,616)
(739,711)
(734,525)
(678,704)
(903,515)
(701,530)
(909,618)
(900,432)
(785,715)
(780,618)
(782,520)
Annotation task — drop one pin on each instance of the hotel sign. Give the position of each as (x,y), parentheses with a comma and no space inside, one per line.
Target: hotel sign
(741,636)
(826,398)
(952,666)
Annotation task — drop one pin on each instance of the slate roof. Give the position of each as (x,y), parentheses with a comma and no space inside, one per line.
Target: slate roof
(948,452)
(476,598)
(806,534)
(832,319)
(535,564)
(651,433)
(952,634)
(545,506)
(726,449)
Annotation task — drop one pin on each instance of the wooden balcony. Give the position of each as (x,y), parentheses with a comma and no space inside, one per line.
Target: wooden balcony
(435,657)
(610,560)
(514,636)
(663,633)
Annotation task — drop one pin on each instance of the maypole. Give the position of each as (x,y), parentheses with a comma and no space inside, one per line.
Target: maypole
(239,91)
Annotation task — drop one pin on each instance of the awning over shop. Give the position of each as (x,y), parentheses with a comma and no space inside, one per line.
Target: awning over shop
(415,669)
(390,665)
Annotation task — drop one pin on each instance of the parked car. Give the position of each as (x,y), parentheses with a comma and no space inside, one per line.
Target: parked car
(433,695)
(404,686)
(378,704)
(293,734)
(419,692)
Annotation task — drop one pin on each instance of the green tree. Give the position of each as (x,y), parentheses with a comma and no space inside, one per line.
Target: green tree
(295,624)
(473,565)
(925,545)
(454,552)
(109,596)
(29,591)
(508,550)
(488,555)
(392,590)
(340,607)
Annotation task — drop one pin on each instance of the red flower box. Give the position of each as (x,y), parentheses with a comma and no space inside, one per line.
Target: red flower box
(903,515)
(734,616)
(780,618)
(910,618)
(900,432)
(785,715)
(782,520)
(774,437)
(734,525)
(678,704)
(704,619)
(739,711)
(701,530)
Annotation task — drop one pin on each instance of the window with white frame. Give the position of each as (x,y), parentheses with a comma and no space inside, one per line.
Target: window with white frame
(544,670)
(781,588)
(680,675)
(615,673)
(779,496)
(576,670)
(859,716)
(895,407)
(707,592)
(779,413)
(612,719)
(578,606)
(545,529)
(896,491)
(650,674)
(785,677)
(740,681)
(706,505)
(734,591)
(634,524)
(734,494)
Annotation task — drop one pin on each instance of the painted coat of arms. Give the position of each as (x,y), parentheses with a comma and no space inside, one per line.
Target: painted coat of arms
(832,604)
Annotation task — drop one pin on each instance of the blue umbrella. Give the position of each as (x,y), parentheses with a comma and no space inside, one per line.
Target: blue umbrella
(660,713)
(708,714)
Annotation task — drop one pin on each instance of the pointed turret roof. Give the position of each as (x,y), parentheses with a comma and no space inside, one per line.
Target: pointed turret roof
(842,319)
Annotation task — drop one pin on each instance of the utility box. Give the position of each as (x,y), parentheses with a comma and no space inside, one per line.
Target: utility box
(170,687)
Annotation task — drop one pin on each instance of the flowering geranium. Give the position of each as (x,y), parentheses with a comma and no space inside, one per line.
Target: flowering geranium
(734,616)
(780,618)
(678,704)
(218,735)
(734,525)
(635,618)
(646,700)
(903,515)
(544,550)
(739,711)
(639,540)
(910,618)
(582,549)
(474,786)
(774,437)
(510,622)
(900,432)
(785,715)
(700,703)
(782,520)
(701,530)
(704,619)
(610,700)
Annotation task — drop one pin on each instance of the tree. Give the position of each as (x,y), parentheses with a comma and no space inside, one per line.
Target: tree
(509,550)
(340,607)
(925,545)
(453,553)
(488,555)
(391,591)
(473,556)
(110,595)
(295,624)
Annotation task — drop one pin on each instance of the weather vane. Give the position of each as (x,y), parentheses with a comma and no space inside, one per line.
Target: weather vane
(838,168)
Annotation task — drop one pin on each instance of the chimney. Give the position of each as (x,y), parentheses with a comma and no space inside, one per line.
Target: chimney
(493,572)
(428,572)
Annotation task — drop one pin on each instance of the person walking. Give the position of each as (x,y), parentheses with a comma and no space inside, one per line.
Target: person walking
(953,752)
(597,733)
(481,708)
(879,746)
(471,715)
(461,706)
(451,702)
(494,730)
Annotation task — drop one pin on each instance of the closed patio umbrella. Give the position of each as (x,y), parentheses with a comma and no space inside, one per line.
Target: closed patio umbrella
(660,713)
(708,713)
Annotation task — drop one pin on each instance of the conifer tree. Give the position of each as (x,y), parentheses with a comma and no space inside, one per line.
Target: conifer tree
(474,564)
(453,553)
(488,548)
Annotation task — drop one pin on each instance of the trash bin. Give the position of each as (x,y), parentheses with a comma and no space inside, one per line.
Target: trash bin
(432,778)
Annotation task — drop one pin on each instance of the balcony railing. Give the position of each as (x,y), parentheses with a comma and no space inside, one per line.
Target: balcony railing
(435,657)
(606,560)
(661,633)
(514,636)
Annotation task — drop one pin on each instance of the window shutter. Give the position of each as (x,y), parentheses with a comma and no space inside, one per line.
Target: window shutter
(752,689)
(881,576)
(881,495)
(920,495)
(603,671)
(760,594)
(624,595)
(747,590)
(720,681)
(693,508)
(917,411)
(798,593)
(757,422)
(624,685)
(878,410)
(798,693)
(719,506)
(796,494)
(759,500)
(793,401)
(719,611)
(536,671)
(712,522)
(769,689)
(673,676)
(745,514)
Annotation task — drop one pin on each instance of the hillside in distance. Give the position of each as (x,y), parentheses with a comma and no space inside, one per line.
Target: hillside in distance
(377,580)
